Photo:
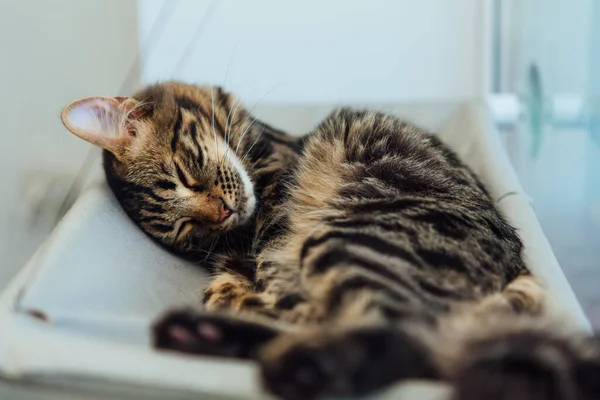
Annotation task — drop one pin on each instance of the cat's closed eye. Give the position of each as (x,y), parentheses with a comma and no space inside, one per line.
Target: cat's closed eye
(186,181)
(182,226)
(165,185)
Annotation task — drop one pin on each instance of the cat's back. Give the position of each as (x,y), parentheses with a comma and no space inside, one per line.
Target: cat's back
(404,205)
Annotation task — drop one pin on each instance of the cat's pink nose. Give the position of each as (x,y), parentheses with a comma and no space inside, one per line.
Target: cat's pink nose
(224,211)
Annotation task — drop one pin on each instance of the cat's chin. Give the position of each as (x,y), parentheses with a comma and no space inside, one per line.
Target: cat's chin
(248,208)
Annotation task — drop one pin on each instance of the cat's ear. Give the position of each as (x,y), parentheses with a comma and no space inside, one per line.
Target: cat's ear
(103,121)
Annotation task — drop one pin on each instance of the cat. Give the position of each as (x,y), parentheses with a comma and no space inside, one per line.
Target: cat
(361,254)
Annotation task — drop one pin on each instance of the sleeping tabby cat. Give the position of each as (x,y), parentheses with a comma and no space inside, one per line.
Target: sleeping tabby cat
(359,255)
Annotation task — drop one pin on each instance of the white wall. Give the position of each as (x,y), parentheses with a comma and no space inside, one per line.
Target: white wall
(323,51)
(51,52)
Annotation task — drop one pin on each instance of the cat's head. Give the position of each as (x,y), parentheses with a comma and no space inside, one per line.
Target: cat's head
(172,159)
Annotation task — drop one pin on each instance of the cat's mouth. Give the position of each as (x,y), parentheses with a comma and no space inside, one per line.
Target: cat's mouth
(228,217)
(230,223)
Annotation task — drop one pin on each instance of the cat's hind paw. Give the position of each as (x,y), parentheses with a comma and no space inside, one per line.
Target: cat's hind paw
(356,362)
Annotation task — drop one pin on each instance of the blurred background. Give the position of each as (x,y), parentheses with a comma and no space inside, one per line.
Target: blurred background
(536,63)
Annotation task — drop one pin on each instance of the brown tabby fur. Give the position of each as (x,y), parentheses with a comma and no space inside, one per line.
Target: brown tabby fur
(372,255)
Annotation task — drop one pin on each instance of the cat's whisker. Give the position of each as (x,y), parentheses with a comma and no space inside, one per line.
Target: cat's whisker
(211,248)
(227,240)
(237,104)
(264,96)
(212,99)
(198,249)
(252,110)
(244,134)
(256,141)
(224,84)
(227,130)
(229,124)
(230,62)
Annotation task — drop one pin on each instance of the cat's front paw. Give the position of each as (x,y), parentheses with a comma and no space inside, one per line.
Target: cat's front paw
(190,331)
(528,366)
(353,363)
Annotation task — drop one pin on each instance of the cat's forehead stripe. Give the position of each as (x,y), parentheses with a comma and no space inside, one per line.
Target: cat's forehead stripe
(176,130)
(196,108)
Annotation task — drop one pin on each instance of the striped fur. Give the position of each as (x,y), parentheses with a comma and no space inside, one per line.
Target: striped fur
(372,255)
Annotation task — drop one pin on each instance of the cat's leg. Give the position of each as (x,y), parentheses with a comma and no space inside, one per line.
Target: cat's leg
(506,347)
(500,339)
(234,293)
(230,291)
(526,294)
(511,357)
(195,332)
(239,321)
(301,363)
(348,362)
(523,359)
(233,288)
